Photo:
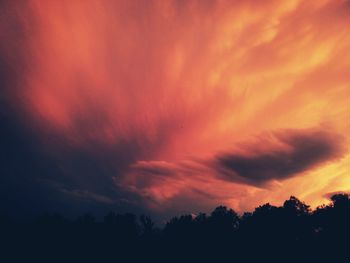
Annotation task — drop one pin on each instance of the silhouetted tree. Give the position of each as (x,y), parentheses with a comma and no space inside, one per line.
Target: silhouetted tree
(288,233)
(147,225)
(341,201)
(295,207)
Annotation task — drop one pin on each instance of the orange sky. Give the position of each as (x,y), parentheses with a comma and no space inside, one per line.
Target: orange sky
(217,102)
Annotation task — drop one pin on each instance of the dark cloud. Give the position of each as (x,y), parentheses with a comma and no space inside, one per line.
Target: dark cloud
(40,173)
(276,155)
(156,168)
(285,154)
(86,195)
(35,179)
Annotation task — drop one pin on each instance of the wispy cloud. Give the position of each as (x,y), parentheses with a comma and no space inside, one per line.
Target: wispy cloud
(151,100)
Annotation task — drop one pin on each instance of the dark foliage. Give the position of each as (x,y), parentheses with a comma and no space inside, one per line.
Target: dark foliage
(290,233)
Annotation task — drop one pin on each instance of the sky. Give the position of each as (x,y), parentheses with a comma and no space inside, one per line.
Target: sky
(167,107)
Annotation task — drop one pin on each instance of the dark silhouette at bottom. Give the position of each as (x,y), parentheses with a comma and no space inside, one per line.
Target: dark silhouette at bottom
(290,233)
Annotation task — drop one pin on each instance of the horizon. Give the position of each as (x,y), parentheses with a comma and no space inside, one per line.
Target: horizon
(162,222)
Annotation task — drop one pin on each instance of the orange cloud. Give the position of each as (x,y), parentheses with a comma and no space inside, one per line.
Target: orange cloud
(177,81)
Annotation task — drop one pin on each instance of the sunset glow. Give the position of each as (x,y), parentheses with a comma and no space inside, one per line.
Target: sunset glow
(184,105)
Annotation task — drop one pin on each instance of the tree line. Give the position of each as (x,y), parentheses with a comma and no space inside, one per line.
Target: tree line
(289,233)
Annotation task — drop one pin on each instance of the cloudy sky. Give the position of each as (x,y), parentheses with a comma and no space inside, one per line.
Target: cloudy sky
(169,107)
